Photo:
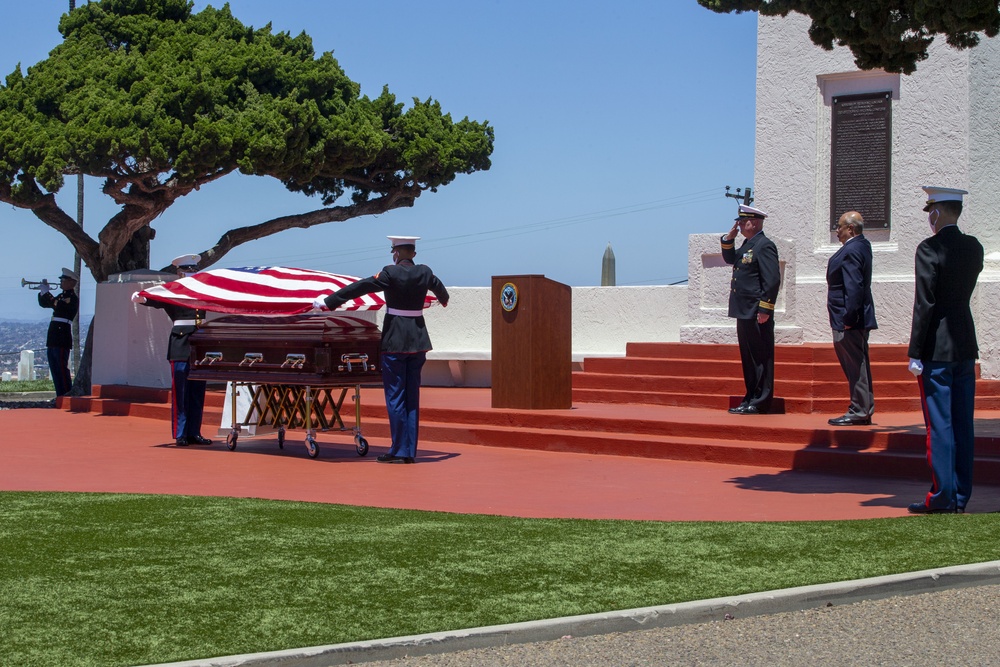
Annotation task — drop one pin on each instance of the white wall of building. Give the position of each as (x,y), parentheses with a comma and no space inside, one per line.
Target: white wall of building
(945,131)
(130,340)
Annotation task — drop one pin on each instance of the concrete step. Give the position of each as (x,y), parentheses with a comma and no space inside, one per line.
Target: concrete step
(787,441)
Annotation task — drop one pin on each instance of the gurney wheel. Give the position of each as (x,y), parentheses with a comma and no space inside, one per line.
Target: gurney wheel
(231,440)
(281,437)
(312,449)
(362,445)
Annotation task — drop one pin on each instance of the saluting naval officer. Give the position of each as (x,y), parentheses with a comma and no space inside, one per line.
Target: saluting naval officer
(405,340)
(187,396)
(943,350)
(752,294)
(59,340)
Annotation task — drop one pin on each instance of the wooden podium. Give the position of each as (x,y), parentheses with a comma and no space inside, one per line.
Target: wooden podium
(532,359)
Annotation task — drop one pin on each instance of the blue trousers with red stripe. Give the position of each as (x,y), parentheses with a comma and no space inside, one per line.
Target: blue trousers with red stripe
(188,404)
(401,382)
(948,396)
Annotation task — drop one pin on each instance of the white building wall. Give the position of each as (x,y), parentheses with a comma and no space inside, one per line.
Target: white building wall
(945,131)
(130,340)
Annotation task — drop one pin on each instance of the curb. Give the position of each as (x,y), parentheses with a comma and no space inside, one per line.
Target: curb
(701,611)
(27,399)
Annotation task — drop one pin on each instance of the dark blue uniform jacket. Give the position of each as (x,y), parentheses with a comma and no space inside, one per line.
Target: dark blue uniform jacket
(405,286)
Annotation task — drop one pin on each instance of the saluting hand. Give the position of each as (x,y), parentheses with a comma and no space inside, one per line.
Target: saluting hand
(733,232)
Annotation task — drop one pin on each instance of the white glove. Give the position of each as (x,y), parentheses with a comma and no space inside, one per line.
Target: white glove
(138,298)
(319,303)
(916,367)
(44,287)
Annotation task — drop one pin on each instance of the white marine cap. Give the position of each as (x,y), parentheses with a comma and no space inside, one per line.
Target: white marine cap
(936,194)
(72,275)
(186,260)
(403,240)
(751,212)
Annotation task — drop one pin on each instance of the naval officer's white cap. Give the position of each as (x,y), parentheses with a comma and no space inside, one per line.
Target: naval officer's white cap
(403,240)
(751,212)
(72,275)
(185,261)
(936,194)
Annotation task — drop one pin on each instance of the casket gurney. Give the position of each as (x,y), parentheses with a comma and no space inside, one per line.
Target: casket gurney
(296,369)
(291,361)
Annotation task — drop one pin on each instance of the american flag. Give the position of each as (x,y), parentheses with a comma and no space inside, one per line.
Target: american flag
(261,290)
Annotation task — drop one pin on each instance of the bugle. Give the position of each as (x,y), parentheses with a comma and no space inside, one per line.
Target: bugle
(37,284)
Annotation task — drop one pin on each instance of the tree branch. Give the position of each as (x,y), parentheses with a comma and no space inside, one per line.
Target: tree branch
(400,198)
(45,209)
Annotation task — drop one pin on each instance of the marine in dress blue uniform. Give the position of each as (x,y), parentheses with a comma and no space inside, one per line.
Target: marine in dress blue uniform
(59,339)
(405,340)
(187,405)
(753,292)
(852,315)
(943,350)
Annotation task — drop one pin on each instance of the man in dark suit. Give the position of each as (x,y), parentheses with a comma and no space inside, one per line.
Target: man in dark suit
(753,292)
(852,315)
(943,350)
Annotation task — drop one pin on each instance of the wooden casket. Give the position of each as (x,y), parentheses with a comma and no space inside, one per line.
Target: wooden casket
(318,349)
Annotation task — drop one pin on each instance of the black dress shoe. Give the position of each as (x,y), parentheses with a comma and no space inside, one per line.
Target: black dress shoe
(389,458)
(848,420)
(198,440)
(922,508)
(753,410)
(738,410)
(182,442)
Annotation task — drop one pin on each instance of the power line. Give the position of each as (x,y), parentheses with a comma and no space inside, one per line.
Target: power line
(369,252)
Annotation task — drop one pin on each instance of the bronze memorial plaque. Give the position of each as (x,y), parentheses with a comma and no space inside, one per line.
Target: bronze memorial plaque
(861,158)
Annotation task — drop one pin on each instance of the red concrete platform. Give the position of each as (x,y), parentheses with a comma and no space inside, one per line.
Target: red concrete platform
(55,450)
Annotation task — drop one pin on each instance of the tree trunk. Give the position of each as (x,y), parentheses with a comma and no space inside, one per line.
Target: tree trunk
(134,256)
(81,383)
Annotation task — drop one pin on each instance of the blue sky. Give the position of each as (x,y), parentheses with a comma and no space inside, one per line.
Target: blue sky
(615,123)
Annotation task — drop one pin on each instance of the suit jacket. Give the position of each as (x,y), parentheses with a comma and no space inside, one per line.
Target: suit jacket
(405,285)
(756,276)
(849,286)
(947,266)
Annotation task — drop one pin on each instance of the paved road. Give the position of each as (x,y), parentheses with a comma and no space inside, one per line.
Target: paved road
(951,627)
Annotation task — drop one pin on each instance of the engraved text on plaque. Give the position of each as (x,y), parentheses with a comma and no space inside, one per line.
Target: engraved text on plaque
(861,158)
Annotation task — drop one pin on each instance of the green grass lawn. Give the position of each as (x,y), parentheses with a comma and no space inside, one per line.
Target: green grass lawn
(17,386)
(102,579)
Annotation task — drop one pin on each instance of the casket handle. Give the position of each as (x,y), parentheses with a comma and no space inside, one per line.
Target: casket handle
(294,361)
(251,358)
(354,358)
(210,358)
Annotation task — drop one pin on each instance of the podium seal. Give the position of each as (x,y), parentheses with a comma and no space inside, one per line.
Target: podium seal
(508,297)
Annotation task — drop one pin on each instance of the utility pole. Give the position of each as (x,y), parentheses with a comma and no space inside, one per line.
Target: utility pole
(76,257)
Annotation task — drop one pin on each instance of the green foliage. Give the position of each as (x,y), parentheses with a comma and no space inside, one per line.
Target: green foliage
(21,386)
(888,34)
(101,579)
(159,101)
